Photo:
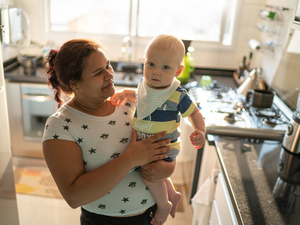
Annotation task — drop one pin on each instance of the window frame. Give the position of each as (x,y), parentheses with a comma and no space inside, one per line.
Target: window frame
(136,40)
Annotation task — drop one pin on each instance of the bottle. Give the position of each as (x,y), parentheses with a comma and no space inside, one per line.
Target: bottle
(242,67)
(249,63)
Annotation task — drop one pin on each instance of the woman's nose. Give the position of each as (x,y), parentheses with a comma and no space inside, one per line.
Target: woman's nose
(109,73)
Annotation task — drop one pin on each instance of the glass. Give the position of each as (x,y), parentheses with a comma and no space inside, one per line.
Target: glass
(190,19)
(90,16)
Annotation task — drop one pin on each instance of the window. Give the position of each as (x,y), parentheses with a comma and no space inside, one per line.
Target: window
(199,20)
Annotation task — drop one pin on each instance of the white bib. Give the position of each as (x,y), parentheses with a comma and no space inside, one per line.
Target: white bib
(149,99)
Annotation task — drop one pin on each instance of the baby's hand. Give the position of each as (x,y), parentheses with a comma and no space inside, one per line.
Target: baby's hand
(197,138)
(117,98)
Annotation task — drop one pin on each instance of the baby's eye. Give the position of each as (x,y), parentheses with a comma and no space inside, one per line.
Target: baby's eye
(166,67)
(150,64)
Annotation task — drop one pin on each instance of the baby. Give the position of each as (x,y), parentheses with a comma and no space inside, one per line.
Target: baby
(159,100)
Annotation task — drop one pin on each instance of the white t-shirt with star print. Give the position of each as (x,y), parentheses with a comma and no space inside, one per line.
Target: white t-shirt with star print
(102,139)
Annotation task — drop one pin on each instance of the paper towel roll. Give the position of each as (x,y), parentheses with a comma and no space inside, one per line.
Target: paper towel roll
(254,44)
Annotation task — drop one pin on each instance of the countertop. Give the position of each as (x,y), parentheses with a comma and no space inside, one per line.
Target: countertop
(250,169)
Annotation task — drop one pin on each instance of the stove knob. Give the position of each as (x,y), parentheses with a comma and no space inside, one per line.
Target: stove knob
(290,129)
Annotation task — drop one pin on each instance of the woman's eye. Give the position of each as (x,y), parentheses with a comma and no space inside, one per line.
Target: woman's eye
(99,72)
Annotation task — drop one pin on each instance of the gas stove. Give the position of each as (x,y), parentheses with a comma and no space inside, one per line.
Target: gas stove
(227,113)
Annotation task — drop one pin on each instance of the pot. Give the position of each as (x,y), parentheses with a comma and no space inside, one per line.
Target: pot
(29,63)
(260,98)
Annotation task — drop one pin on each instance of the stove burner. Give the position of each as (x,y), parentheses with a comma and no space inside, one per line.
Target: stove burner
(230,118)
(269,113)
(224,109)
(270,121)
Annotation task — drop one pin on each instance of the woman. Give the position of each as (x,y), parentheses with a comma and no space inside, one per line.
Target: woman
(89,145)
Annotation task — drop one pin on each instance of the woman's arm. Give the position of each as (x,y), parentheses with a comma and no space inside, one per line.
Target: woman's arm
(64,159)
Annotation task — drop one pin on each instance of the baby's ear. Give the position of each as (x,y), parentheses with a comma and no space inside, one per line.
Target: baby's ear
(179,71)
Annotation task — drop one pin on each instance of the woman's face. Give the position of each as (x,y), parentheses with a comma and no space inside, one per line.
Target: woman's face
(97,79)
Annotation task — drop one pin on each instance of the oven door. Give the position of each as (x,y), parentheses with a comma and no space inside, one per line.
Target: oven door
(29,105)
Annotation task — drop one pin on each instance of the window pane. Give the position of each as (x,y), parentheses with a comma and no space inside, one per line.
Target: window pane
(189,19)
(90,16)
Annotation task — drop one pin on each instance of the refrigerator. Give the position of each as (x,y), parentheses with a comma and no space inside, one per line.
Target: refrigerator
(8,202)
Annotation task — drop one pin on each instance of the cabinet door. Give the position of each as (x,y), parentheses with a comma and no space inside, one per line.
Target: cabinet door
(214,216)
(223,202)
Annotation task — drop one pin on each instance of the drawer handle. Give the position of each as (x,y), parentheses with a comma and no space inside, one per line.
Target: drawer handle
(37,98)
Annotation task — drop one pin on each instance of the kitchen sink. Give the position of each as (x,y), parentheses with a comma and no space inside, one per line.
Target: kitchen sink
(127,73)
(127,79)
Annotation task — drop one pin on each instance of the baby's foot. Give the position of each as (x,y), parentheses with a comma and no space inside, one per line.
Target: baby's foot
(161,214)
(175,199)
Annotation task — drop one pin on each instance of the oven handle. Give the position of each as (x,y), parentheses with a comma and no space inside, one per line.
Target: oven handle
(37,98)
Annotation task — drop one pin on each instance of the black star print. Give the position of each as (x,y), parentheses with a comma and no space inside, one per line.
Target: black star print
(84,163)
(128,104)
(147,188)
(68,120)
(144,202)
(127,124)
(55,136)
(79,140)
(84,126)
(47,126)
(125,200)
(132,184)
(112,122)
(124,140)
(115,155)
(122,211)
(92,150)
(66,127)
(104,136)
(101,206)
(125,113)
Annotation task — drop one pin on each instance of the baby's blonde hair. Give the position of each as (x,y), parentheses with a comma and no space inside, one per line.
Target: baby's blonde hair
(167,42)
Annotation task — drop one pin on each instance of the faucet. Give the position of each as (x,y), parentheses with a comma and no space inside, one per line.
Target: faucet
(126,40)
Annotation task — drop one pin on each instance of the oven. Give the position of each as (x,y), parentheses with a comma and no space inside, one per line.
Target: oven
(29,106)
(228,114)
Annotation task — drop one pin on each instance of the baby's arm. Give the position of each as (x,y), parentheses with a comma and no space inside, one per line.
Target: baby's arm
(198,136)
(120,96)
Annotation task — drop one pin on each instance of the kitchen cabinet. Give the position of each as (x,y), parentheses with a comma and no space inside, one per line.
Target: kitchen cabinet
(223,212)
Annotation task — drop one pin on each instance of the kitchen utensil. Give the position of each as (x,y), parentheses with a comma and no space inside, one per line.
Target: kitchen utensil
(29,64)
(248,83)
(260,98)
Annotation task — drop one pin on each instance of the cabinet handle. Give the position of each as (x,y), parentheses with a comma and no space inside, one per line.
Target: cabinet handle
(37,98)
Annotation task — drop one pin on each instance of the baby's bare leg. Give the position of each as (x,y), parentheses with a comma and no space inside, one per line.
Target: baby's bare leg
(164,206)
(174,196)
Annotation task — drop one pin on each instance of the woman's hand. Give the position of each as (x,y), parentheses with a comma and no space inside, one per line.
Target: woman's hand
(148,150)
(158,170)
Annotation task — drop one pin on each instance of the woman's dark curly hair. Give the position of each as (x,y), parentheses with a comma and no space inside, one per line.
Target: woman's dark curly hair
(66,64)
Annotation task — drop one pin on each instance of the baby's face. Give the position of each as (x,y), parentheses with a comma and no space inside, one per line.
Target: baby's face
(161,66)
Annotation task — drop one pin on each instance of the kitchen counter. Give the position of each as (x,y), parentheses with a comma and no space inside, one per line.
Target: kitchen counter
(250,169)
(16,74)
